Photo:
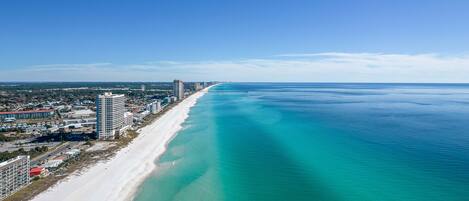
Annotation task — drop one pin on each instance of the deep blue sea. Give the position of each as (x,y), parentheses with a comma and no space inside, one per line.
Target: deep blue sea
(312,141)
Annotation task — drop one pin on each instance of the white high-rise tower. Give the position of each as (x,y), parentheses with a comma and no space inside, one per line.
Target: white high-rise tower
(110,109)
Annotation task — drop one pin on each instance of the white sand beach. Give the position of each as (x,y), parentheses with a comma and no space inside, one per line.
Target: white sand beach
(118,178)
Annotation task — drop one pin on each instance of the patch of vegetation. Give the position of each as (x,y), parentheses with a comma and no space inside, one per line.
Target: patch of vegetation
(4,138)
(15,136)
(33,153)
(89,143)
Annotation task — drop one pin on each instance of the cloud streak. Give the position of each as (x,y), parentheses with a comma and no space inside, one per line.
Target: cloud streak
(315,67)
(65,67)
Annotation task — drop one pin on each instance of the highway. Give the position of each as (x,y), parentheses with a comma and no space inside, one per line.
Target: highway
(56,151)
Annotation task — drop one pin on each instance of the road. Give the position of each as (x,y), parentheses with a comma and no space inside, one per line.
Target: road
(57,150)
(25,144)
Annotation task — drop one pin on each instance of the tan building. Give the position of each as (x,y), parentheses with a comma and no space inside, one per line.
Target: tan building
(197,86)
(14,175)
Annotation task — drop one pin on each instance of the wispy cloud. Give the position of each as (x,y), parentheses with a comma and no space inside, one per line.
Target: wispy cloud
(314,67)
(66,67)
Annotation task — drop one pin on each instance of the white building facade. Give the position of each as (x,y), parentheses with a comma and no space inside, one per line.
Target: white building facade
(14,175)
(110,109)
(155,107)
(128,119)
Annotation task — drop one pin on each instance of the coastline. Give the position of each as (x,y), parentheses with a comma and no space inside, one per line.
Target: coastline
(119,178)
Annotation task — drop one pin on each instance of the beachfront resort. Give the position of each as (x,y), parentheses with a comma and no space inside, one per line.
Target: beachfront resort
(62,137)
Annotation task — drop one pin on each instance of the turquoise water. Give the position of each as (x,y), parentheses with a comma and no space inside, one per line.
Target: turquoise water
(276,141)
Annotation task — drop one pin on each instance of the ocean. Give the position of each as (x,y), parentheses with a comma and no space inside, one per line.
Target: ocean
(319,141)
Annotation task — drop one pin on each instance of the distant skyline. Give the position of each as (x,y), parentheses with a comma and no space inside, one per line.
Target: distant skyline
(304,41)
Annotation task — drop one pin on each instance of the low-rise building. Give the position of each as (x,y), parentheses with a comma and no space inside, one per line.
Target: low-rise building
(89,122)
(72,153)
(9,119)
(53,163)
(38,172)
(29,114)
(141,115)
(81,114)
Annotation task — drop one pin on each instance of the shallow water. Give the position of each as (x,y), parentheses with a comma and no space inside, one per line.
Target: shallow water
(300,141)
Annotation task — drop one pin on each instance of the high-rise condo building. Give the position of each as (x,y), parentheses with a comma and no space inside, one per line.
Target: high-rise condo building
(128,119)
(110,109)
(178,89)
(197,86)
(155,107)
(14,175)
(158,105)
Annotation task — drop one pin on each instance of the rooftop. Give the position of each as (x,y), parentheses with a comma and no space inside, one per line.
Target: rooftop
(86,112)
(12,160)
(27,111)
(110,94)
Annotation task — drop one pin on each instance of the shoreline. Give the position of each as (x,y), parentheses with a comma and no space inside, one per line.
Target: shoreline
(135,189)
(120,177)
(131,196)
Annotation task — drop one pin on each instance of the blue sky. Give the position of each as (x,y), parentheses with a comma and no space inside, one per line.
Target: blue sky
(104,40)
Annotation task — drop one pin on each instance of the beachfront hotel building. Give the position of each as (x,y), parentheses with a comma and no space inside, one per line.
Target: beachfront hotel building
(178,89)
(14,175)
(128,119)
(155,107)
(110,109)
(29,114)
(197,86)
